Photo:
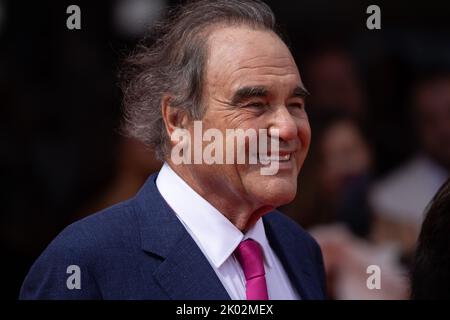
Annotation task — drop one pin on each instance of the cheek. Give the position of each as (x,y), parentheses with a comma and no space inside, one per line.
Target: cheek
(222,117)
(242,119)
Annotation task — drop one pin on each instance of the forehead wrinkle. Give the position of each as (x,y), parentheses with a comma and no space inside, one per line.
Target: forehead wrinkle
(266,71)
(266,61)
(260,70)
(265,80)
(231,60)
(265,57)
(258,75)
(237,60)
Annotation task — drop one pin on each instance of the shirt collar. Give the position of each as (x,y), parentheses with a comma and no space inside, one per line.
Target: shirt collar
(213,232)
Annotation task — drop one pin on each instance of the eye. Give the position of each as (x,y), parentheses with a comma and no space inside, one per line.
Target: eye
(297,105)
(258,105)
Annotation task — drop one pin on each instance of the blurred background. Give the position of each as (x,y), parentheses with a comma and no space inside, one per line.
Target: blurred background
(379,111)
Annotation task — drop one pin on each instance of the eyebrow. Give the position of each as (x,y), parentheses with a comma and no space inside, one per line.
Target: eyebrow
(300,92)
(246,93)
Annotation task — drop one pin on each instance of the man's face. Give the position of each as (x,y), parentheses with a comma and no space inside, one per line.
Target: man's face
(252,82)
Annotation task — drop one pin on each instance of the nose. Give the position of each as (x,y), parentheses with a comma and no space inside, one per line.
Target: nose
(285,123)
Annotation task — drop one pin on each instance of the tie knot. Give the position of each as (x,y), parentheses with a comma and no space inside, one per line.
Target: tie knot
(249,256)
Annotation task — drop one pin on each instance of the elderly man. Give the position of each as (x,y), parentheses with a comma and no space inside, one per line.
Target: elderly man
(200,230)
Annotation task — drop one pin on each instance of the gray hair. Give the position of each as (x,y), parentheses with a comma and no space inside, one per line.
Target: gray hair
(172,63)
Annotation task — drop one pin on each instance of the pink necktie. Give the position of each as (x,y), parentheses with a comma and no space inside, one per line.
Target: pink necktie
(249,255)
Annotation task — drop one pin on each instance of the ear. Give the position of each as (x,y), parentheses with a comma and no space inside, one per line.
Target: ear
(173,117)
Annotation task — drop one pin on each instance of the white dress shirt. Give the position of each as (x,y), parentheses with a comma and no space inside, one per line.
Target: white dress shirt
(217,238)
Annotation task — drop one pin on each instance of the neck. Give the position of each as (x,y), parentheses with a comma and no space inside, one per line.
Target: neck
(239,210)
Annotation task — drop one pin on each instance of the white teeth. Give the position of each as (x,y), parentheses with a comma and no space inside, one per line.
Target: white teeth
(275,158)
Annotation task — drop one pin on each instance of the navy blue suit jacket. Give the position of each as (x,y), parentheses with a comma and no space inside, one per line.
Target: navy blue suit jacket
(139,249)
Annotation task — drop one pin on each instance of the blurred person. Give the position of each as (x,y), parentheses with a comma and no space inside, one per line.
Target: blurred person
(200,231)
(340,171)
(336,92)
(347,259)
(396,204)
(430,274)
(399,199)
(334,83)
(345,173)
(341,217)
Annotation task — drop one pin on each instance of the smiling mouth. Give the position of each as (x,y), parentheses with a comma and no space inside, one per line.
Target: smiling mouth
(269,158)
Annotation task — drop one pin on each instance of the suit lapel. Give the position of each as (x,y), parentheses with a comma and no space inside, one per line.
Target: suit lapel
(187,275)
(184,273)
(295,257)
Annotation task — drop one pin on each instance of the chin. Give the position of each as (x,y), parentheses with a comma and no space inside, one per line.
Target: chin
(285,198)
(278,194)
